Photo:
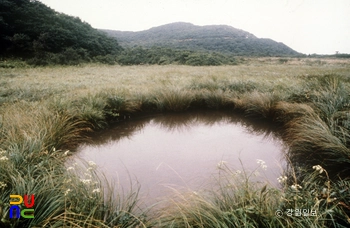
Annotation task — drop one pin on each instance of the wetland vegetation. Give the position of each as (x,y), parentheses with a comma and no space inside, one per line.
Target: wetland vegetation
(45,112)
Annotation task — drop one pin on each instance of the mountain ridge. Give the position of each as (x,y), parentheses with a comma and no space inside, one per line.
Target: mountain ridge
(213,38)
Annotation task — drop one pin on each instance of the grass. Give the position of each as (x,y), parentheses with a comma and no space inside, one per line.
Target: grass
(44,111)
(76,196)
(239,201)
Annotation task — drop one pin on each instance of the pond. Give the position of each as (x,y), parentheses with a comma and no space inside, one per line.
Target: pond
(182,150)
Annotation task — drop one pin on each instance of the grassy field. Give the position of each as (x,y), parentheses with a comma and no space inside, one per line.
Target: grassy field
(45,112)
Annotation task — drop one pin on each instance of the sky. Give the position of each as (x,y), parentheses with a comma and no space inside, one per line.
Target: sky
(307,26)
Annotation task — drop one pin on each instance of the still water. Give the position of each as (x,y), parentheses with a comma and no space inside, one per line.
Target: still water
(182,151)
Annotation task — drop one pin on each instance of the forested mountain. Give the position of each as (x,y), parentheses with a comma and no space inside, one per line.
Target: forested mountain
(34,32)
(31,30)
(214,38)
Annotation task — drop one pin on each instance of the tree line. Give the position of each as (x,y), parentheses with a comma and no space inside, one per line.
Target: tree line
(34,32)
(162,56)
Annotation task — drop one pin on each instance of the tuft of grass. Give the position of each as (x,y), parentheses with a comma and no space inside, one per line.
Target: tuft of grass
(90,201)
(173,99)
(318,132)
(234,202)
(217,99)
(76,196)
(36,173)
(240,201)
(241,86)
(311,142)
(30,127)
(258,105)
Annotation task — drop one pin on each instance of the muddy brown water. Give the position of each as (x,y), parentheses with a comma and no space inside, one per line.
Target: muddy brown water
(180,152)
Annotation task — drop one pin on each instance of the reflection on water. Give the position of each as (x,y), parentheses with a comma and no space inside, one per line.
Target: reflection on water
(182,150)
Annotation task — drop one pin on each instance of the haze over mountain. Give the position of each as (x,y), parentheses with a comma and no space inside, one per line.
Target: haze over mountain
(214,38)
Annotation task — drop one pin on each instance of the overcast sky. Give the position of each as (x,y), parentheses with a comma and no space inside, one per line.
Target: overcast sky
(307,26)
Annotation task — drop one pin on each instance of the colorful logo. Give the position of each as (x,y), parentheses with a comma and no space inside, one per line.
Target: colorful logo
(17,212)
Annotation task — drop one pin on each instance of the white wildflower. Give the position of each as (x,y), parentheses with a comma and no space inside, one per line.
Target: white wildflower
(261,163)
(96,190)
(236,173)
(92,164)
(67,191)
(66,153)
(296,187)
(318,168)
(70,168)
(4,158)
(282,179)
(2,185)
(86,181)
(220,164)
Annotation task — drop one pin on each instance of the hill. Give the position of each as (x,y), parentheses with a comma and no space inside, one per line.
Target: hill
(214,38)
(31,30)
